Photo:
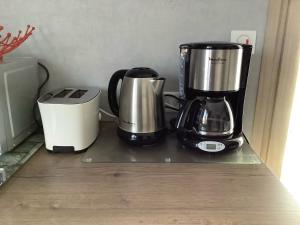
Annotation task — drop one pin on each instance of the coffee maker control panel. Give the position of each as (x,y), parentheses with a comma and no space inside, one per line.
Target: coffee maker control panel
(211,146)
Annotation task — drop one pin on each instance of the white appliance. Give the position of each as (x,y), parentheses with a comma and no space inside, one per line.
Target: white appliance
(18,88)
(70,118)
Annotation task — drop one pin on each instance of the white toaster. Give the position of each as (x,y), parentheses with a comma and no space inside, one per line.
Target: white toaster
(70,118)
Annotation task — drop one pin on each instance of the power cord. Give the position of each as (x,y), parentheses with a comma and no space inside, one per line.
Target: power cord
(169,106)
(173,96)
(107,113)
(172,107)
(246,138)
(35,106)
(173,121)
(45,81)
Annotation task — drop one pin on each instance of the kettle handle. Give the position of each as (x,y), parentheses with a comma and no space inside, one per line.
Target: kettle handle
(112,90)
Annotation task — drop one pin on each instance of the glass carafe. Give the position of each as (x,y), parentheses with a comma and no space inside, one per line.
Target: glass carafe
(208,117)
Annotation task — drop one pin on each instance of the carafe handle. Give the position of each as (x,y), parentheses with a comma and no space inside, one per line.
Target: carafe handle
(112,90)
(184,112)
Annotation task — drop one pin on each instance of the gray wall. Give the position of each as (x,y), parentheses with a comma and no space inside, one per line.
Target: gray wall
(84,42)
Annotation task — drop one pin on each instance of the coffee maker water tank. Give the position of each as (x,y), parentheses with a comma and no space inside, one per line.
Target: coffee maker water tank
(211,66)
(182,70)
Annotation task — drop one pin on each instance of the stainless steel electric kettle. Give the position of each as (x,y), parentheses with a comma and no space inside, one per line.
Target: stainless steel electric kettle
(141,107)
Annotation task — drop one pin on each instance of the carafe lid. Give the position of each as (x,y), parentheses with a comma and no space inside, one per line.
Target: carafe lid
(141,72)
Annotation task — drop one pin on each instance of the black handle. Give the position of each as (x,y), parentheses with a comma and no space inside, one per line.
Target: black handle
(185,111)
(112,90)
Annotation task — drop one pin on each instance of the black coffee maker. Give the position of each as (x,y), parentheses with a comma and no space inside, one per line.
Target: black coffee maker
(213,83)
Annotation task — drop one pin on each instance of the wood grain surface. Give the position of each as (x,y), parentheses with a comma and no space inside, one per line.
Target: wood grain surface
(59,189)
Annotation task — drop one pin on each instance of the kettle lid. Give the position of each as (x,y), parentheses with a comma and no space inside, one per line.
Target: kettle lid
(141,72)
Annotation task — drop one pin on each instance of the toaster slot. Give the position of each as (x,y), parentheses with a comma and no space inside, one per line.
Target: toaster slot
(78,94)
(63,93)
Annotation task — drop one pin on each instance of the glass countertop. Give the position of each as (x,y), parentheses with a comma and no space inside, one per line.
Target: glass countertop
(108,148)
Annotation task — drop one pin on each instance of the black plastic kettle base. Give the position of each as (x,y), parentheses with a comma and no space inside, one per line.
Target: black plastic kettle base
(142,139)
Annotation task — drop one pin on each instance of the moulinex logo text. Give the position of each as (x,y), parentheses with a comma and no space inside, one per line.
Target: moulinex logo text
(219,59)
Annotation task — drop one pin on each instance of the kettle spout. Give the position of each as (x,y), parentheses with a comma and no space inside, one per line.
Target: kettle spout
(158,85)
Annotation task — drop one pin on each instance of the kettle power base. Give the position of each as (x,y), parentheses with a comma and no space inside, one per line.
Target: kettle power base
(142,139)
(109,148)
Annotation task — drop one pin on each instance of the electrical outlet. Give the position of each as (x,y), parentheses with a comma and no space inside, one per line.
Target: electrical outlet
(244,37)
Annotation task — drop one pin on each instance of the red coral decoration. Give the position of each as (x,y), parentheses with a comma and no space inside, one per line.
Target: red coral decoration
(8,43)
